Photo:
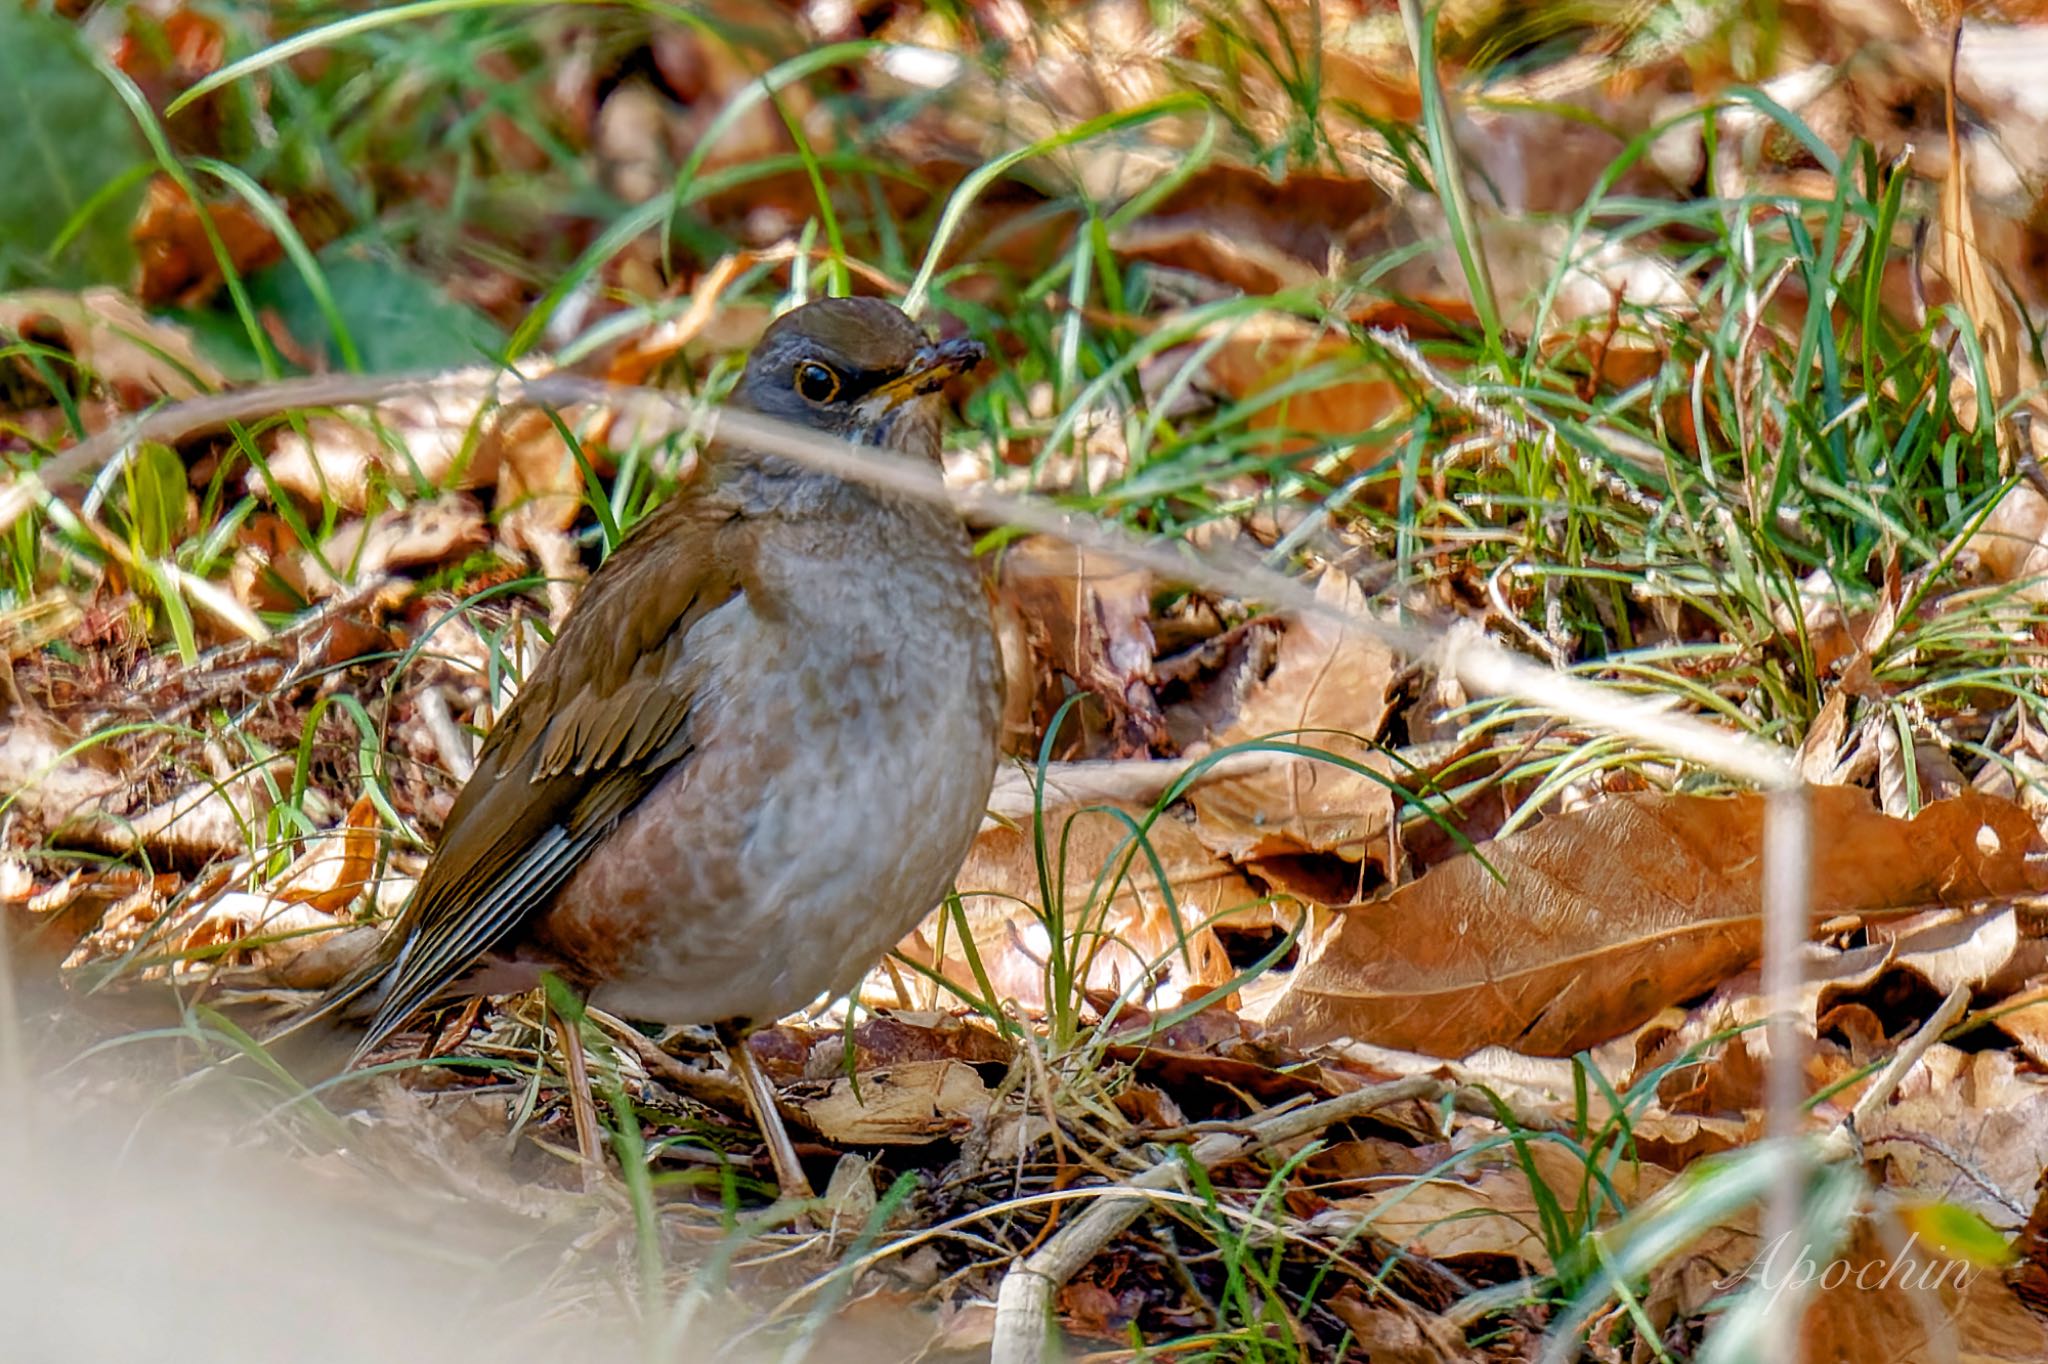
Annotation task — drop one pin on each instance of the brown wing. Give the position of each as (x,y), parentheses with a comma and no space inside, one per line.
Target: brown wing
(600,721)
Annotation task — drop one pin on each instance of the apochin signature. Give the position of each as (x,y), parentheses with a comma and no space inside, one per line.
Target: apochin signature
(1903,1270)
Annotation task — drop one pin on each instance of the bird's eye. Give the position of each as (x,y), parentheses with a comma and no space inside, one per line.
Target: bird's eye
(816,382)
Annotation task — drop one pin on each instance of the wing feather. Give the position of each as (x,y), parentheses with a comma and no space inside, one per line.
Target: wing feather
(603,718)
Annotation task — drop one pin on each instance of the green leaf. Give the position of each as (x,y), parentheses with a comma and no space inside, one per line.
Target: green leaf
(72,162)
(398,318)
(1951,1229)
(155,504)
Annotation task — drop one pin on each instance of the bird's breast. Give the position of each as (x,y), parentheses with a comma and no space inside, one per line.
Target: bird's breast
(844,742)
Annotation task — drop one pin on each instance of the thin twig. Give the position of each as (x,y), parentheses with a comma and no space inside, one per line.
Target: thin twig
(1027,1290)
(1137,781)
(1479,662)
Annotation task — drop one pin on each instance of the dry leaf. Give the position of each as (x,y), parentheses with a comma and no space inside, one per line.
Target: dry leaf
(1967,1127)
(330,882)
(1390,1334)
(113,339)
(177,260)
(1915,1306)
(1612,912)
(1239,227)
(1260,353)
(1324,678)
(1090,617)
(1723,1087)
(1124,937)
(905,1105)
(1488,1212)
(422,535)
(2011,543)
(46,770)
(1959,260)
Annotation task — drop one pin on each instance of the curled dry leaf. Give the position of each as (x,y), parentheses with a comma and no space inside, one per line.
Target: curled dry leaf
(434,432)
(1905,779)
(1961,265)
(271,571)
(1610,913)
(1895,1297)
(883,1039)
(1968,1127)
(437,437)
(113,339)
(1331,683)
(908,1104)
(329,880)
(48,774)
(1260,353)
(2011,543)
(1397,1334)
(1235,225)
(539,493)
(1090,617)
(1121,939)
(1491,1211)
(175,251)
(262,932)
(285,936)
(1721,1090)
(1886,1294)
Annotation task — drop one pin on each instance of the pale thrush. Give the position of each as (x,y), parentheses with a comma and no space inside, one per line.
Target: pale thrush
(761,745)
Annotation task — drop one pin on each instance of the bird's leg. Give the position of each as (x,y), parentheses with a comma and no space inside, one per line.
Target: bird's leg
(582,1107)
(789,1171)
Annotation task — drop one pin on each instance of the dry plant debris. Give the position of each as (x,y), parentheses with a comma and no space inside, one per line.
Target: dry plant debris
(1295,1003)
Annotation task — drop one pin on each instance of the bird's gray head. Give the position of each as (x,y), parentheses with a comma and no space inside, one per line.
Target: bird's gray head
(856,368)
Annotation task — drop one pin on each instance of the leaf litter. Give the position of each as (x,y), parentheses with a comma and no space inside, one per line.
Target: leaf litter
(279,791)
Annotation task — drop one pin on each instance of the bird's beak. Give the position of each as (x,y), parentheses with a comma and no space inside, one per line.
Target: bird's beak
(929,370)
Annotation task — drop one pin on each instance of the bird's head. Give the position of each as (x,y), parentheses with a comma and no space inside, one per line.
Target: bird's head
(856,368)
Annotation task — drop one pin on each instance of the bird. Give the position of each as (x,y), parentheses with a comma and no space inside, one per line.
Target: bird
(759,748)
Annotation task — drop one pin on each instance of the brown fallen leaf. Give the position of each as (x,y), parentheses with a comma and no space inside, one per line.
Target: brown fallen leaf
(432,436)
(175,252)
(1358,401)
(1913,1304)
(1721,1090)
(263,932)
(539,494)
(1121,936)
(112,339)
(1237,226)
(1487,1212)
(1330,684)
(1396,1333)
(1090,618)
(327,881)
(1960,263)
(882,1040)
(1967,1127)
(1610,913)
(904,1105)
(48,771)
(271,571)
(2011,543)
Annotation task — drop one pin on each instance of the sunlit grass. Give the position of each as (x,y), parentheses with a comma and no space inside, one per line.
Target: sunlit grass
(1787,424)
